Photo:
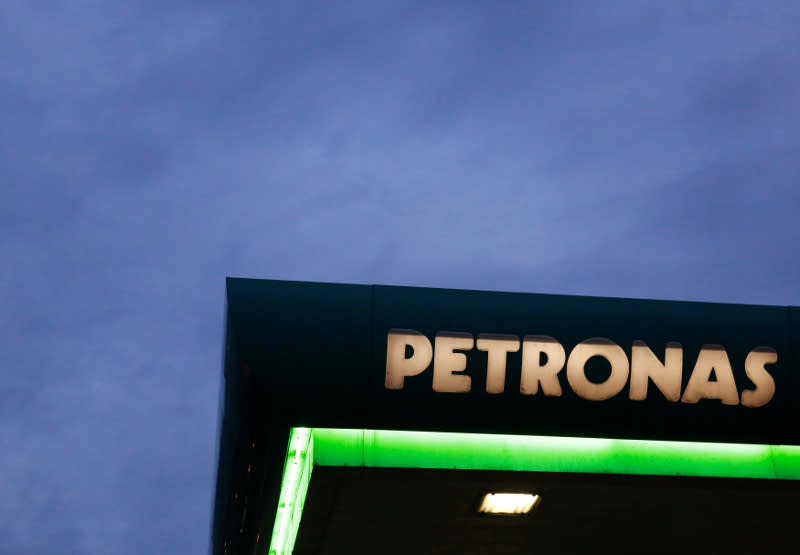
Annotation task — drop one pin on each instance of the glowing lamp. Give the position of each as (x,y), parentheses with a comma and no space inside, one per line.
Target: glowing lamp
(508,503)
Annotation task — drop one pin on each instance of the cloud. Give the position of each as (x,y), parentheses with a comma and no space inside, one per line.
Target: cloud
(151,150)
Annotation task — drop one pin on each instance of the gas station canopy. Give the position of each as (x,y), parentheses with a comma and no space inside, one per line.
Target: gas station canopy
(379,419)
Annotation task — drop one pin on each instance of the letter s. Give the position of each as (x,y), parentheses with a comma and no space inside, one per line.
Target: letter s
(754,367)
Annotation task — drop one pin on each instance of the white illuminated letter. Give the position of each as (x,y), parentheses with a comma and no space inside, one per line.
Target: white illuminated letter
(534,373)
(397,365)
(496,347)
(754,365)
(712,358)
(667,376)
(446,363)
(597,347)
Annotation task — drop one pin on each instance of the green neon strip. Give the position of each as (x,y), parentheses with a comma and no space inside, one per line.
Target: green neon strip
(395,449)
(296,475)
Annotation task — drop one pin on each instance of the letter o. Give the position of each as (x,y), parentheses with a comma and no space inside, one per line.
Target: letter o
(594,347)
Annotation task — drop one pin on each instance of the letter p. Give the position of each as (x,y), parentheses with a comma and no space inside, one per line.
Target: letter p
(398,366)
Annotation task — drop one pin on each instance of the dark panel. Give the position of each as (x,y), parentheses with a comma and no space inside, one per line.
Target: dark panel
(353,511)
(303,338)
(793,317)
(229,444)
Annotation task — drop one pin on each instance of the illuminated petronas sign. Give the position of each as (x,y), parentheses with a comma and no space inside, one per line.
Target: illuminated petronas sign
(410,353)
(447,360)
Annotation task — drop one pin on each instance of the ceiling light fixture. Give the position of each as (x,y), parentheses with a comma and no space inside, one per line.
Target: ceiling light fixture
(508,503)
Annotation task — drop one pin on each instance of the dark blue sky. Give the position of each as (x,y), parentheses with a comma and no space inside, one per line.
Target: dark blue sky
(148,149)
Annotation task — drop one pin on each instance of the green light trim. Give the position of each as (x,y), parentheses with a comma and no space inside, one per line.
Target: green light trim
(296,476)
(438,450)
(394,449)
